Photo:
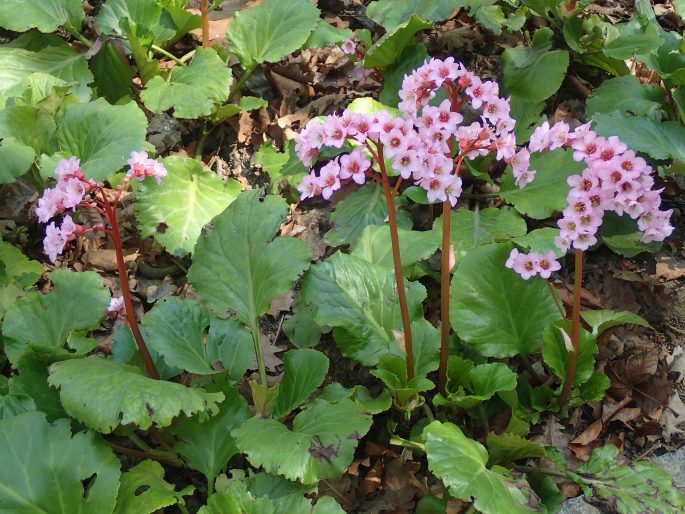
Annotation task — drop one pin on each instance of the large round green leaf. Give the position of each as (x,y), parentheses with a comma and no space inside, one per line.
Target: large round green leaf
(144,490)
(389,14)
(145,18)
(389,48)
(44,15)
(193,91)
(175,210)
(461,464)
(320,445)
(493,309)
(238,266)
(207,446)
(271,30)
(103,394)
(555,351)
(101,135)
(374,245)
(548,192)
(44,468)
(358,298)
(15,160)
(30,126)
(77,302)
(303,371)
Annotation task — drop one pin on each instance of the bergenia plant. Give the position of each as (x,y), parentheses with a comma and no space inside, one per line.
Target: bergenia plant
(614,179)
(74,191)
(427,146)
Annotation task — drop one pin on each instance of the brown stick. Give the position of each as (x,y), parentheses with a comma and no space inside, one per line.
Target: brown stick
(445,298)
(205,23)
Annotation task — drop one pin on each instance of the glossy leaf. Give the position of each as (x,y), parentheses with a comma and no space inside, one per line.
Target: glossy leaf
(547,193)
(101,135)
(146,20)
(491,305)
(175,210)
(175,329)
(255,266)
(540,240)
(389,14)
(555,352)
(389,47)
(326,34)
(358,298)
(192,91)
(104,394)
(16,160)
(602,320)
(271,30)
(471,229)
(303,371)
(609,480)
(282,167)
(411,58)
(505,448)
(45,466)
(320,445)
(156,494)
(374,245)
(622,235)
(491,491)
(625,94)
(207,446)
(360,395)
(44,15)
(77,302)
(468,385)
(356,211)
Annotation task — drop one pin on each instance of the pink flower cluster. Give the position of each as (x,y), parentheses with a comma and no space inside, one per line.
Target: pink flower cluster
(73,190)
(116,307)
(533,263)
(615,179)
(419,143)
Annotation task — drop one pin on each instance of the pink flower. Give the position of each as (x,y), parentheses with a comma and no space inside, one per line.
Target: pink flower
(354,166)
(68,168)
(329,179)
(116,307)
(141,166)
(547,264)
(309,187)
(54,241)
(349,47)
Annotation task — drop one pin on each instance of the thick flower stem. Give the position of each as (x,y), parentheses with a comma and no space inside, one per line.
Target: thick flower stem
(575,331)
(128,301)
(397,262)
(444,298)
(205,23)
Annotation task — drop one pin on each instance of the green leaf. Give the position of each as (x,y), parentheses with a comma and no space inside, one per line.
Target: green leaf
(610,480)
(16,160)
(411,58)
(622,235)
(175,329)
(320,445)
(392,371)
(359,299)
(208,446)
(281,166)
(472,229)
(505,448)
(303,371)
(594,389)
(388,49)
(30,126)
(389,13)
(661,140)
(540,240)
(625,94)
(44,15)
(229,347)
(528,115)
(125,351)
(468,385)
(360,395)
(32,381)
(193,91)
(490,491)
(113,74)
(13,405)
(256,267)
(374,245)
(547,193)
(17,65)
(101,135)
(364,207)
(45,467)
(602,320)
(555,353)
(156,494)
(634,37)
(19,269)
(145,20)
(326,34)
(77,302)
(103,394)
(175,210)
(534,73)
(271,30)
(491,305)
